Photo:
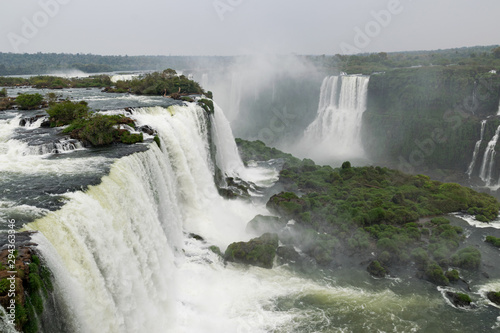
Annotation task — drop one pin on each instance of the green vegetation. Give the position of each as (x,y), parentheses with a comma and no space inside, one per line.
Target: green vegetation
(101,130)
(4,286)
(424,117)
(464,298)
(374,209)
(484,56)
(468,258)
(493,240)
(258,151)
(258,251)
(157,140)
(66,112)
(29,101)
(494,297)
(56,82)
(91,128)
(207,105)
(452,275)
(167,83)
(3,92)
(41,63)
(376,269)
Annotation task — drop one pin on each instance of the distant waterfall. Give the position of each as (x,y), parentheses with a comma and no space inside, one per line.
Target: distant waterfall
(204,80)
(487,167)
(472,164)
(336,130)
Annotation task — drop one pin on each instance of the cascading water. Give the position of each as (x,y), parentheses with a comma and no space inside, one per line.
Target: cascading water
(487,167)
(336,131)
(472,164)
(115,249)
(124,261)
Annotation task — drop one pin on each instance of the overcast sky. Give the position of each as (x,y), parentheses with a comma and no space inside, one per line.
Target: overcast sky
(232,27)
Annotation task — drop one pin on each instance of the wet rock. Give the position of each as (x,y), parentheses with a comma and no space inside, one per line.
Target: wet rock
(259,251)
(147,129)
(261,224)
(494,297)
(459,299)
(288,254)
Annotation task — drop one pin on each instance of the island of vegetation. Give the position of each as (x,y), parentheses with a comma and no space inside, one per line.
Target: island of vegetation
(381,218)
(92,128)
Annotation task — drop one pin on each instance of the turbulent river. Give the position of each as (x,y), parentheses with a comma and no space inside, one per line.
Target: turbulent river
(115,228)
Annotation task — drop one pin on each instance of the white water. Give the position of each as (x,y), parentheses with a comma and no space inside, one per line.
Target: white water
(235,95)
(472,164)
(487,167)
(122,261)
(123,77)
(336,131)
(227,156)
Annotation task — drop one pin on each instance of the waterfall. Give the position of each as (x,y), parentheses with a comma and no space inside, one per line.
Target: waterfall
(119,252)
(472,164)
(235,95)
(336,131)
(227,156)
(204,80)
(487,167)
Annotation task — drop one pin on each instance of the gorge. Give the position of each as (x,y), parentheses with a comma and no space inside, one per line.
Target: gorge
(130,232)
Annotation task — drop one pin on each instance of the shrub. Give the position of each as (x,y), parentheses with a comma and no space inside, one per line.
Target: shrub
(434,273)
(346,165)
(65,112)
(468,258)
(452,275)
(4,286)
(493,240)
(98,130)
(376,269)
(3,93)
(29,101)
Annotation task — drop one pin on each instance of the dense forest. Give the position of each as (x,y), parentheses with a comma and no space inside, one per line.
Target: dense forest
(44,63)
(367,63)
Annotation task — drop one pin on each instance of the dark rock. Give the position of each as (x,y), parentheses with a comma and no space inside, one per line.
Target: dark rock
(261,224)
(257,252)
(147,129)
(197,237)
(45,123)
(494,297)
(459,299)
(287,254)
(30,120)
(216,250)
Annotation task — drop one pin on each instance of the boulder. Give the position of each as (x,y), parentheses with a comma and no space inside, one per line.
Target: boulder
(261,224)
(459,299)
(257,252)
(288,254)
(494,297)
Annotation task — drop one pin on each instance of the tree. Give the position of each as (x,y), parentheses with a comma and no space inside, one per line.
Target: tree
(29,101)
(496,52)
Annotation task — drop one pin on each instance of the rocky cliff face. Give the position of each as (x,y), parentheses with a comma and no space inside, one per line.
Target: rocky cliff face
(429,119)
